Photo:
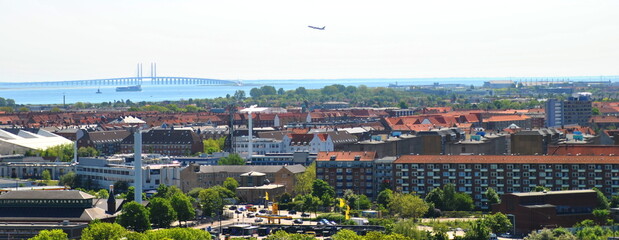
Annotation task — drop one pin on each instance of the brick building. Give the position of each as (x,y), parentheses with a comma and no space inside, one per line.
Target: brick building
(171,142)
(106,142)
(552,209)
(473,174)
(347,170)
(207,176)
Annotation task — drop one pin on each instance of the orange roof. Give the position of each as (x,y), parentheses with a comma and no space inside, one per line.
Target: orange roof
(505,118)
(588,150)
(604,119)
(346,156)
(506,159)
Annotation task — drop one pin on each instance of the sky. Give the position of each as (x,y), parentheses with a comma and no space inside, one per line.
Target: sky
(75,39)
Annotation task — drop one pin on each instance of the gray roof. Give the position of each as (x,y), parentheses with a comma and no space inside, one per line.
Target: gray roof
(249,168)
(47,194)
(277,135)
(530,194)
(108,136)
(253,174)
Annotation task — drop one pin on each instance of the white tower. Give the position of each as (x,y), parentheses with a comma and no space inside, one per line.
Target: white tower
(137,163)
(249,111)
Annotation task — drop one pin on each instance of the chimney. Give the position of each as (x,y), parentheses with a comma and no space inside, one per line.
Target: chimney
(111,201)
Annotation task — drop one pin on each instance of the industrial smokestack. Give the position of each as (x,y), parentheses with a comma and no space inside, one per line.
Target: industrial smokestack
(137,164)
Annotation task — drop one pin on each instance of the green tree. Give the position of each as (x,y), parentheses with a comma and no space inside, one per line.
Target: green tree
(268,90)
(540,189)
(182,205)
(602,200)
(346,234)
(239,94)
(255,92)
(134,217)
(547,234)
(478,231)
(601,215)
(492,196)
(283,235)
(436,197)
(46,176)
(121,187)
(384,197)
(103,194)
(320,188)
(161,212)
(301,91)
(69,179)
(463,202)
(232,159)
(211,201)
(211,146)
(498,223)
(231,184)
(409,229)
(53,234)
(179,233)
(309,202)
(407,206)
(55,110)
(305,181)
(103,231)
(63,152)
(87,152)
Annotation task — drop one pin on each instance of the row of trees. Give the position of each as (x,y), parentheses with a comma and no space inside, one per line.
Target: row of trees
(105,231)
(361,95)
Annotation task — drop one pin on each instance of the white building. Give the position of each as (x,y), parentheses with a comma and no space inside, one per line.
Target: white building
(312,143)
(261,146)
(106,171)
(19,141)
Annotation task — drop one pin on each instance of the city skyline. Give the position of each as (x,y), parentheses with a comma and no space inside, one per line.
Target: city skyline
(70,40)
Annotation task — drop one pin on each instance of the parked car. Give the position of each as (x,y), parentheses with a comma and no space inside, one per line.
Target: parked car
(263,211)
(258,220)
(237,211)
(292,212)
(305,214)
(298,221)
(251,215)
(232,207)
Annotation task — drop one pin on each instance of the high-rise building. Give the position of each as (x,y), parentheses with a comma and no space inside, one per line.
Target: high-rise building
(574,110)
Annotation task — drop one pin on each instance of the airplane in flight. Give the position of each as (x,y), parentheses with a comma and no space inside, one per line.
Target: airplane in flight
(317,28)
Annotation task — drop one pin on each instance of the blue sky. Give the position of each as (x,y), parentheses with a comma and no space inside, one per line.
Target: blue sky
(73,39)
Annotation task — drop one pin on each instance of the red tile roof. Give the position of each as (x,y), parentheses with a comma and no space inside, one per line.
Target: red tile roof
(587,150)
(505,118)
(530,159)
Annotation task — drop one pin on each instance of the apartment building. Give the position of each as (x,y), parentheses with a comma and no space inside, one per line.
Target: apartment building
(171,142)
(202,176)
(102,172)
(347,170)
(574,110)
(473,174)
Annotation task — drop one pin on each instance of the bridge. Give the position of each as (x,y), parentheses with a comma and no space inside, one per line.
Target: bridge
(134,81)
(139,79)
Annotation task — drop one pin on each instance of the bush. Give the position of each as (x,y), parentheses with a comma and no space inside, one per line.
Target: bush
(336,217)
(461,214)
